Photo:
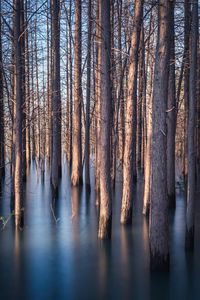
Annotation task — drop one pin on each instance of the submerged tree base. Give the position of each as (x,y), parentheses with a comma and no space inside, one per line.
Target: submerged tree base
(189,239)
(159,262)
(105,226)
(172,201)
(76,181)
(126,216)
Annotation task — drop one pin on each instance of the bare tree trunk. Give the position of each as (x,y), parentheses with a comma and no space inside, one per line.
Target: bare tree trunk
(87,126)
(98,104)
(105,178)
(32,100)
(171,115)
(187,6)
(76,176)
(129,166)
(18,112)
(189,240)
(2,150)
(22,37)
(27,88)
(56,101)
(159,235)
(48,132)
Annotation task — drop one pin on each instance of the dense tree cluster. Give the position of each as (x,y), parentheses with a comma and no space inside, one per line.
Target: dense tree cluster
(113,82)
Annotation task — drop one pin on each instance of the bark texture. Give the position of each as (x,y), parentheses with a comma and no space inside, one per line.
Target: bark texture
(159,236)
(105,178)
(76,176)
(189,240)
(129,163)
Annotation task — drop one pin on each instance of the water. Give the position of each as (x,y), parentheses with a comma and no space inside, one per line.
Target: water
(67,261)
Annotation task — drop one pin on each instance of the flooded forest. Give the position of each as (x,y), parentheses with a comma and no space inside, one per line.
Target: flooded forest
(99,149)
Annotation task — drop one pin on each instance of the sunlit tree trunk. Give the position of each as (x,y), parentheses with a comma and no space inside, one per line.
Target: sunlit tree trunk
(189,240)
(18,111)
(105,178)
(159,235)
(76,176)
(129,164)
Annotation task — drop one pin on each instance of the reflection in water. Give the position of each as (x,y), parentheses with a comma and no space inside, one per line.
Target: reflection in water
(66,260)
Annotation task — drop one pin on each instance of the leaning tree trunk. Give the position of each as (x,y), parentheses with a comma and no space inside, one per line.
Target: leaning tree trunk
(189,240)
(129,164)
(187,6)
(18,112)
(171,115)
(56,101)
(2,163)
(76,176)
(87,125)
(105,178)
(159,236)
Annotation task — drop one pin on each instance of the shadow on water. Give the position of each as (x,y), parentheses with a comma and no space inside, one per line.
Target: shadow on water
(57,255)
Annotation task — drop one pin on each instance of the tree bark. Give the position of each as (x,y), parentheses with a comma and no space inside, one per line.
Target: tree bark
(189,240)
(2,150)
(171,115)
(159,235)
(76,176)
(105,218)
(56,101)
(18,112)
(129,166)
(87,125)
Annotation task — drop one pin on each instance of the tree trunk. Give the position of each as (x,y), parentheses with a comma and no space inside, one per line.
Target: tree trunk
(129,166)
(18,112)
(56,101)
(189,240)
(87,126)
(2,162)
(105,218)
(76,176)
(159,236)
(171,115)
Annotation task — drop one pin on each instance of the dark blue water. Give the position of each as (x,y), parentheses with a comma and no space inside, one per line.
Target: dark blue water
(67,261)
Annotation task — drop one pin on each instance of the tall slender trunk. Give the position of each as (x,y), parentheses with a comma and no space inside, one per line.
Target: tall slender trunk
(98,103)
(56,101)
(129,167)
(171,115)
(18,111)
(87,126)
(27,87)
(48,131)
(76,176)
(2,150)
(187,6)
(159,235)
(189,240)
(105,178)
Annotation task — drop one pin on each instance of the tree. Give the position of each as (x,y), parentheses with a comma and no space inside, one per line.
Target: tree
(87,125)
(18,111)
(2,163)
(56,101)
(76,176)
(171,115)
(129,163)
(189,239)
(159,239)
(105,218)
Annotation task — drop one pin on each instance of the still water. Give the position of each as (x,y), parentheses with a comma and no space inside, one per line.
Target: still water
(67,261)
